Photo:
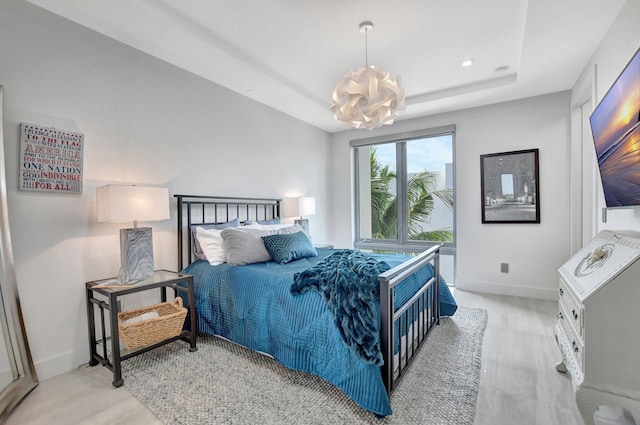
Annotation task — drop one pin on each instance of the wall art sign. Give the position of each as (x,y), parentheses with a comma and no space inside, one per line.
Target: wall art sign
(510,187)
(50,159)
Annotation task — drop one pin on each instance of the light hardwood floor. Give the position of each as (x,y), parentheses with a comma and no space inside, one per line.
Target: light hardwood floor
(518,383)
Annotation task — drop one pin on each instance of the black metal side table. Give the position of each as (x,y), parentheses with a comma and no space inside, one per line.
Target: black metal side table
(111,290)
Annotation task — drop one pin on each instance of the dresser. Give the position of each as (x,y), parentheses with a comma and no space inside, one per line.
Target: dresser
(598,326)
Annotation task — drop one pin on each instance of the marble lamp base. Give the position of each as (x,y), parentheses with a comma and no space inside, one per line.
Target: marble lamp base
(136,254)
(304,223)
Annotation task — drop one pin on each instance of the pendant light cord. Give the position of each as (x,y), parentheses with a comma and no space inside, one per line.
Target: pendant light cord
(366,48)
(365,27)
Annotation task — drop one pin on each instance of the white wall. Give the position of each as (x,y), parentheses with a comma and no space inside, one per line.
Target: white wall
(144,122)
(616,49)
(534,251)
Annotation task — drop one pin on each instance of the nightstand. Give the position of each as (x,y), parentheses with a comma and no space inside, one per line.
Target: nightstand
(107,305)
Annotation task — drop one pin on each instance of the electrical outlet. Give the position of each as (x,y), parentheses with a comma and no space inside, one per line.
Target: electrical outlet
(504,267)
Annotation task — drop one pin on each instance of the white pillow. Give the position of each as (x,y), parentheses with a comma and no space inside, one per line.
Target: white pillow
(210,241)
(253,225)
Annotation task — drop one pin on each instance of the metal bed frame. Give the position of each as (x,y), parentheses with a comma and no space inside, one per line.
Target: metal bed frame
(416,317)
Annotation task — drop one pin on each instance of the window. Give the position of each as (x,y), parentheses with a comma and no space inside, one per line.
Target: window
(405,192)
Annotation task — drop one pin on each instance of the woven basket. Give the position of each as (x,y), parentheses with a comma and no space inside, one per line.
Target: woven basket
(147,332)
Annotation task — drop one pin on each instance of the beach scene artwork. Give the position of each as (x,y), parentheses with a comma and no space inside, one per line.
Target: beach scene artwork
(615,125)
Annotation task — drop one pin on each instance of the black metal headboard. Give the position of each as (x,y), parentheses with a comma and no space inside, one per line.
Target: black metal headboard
(198,209)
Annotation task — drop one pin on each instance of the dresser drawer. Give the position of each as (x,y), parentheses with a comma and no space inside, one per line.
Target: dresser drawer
(573,308)
(574,341)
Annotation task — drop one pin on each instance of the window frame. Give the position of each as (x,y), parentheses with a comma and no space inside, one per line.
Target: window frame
(402,243)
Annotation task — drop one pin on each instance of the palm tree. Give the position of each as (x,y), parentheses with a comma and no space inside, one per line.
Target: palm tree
(421,195)
(383,203)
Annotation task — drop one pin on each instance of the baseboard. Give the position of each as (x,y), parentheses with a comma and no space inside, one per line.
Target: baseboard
(65,362)
(502,289)
(57,365)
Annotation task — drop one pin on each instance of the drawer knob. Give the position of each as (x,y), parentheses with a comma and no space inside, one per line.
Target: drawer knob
(560,315)
(575,315)
(561,292)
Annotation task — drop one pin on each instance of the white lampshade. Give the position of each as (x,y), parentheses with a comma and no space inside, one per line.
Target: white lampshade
(298,207)
(367,98)
(132,203)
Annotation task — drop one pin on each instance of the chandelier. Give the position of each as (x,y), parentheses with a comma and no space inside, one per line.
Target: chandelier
(369,97)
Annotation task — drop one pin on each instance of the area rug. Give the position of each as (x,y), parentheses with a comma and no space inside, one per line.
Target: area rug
(223,383)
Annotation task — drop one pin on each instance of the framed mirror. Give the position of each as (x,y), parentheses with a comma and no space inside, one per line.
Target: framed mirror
(17,372)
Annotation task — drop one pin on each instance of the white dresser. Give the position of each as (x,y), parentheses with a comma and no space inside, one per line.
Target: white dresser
(598,327)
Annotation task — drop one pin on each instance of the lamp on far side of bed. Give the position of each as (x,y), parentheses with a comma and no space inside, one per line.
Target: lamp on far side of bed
(299,207)
(126,203)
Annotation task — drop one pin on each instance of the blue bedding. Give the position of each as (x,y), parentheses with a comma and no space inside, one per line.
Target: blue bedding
(252,305)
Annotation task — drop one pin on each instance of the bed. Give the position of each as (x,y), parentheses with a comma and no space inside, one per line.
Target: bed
(259,306)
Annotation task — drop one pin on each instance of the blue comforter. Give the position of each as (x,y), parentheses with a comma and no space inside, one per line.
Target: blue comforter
(252,305)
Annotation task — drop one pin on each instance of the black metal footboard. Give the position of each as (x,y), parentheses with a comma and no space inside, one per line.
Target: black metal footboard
(416,317)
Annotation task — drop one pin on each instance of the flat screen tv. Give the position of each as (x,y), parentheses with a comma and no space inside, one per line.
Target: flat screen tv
(615,125)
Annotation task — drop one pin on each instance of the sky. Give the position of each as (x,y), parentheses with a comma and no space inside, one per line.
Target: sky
(618,111)
(429,153)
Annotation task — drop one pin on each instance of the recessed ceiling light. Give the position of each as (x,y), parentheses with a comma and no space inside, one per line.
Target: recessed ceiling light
(502,68)
(468,62)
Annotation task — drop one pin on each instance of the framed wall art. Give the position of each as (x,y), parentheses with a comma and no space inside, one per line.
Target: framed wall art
(510,187)
(50,159)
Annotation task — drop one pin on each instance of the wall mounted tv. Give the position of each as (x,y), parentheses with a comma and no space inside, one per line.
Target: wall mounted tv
(615,125)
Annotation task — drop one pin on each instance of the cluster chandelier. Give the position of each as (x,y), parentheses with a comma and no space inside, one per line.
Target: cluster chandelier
(369,97)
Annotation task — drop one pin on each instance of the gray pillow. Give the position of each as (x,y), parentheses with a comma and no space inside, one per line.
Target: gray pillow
(270,221)
(197,249)
(245,246)
(289,230)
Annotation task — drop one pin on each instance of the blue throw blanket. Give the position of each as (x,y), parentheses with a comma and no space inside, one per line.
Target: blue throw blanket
(348,282)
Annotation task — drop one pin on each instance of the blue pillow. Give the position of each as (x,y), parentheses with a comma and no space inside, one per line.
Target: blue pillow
(448,305)
(284,248)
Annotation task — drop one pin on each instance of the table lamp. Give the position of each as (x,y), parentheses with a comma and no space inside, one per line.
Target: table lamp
(299,207)
(126,203)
